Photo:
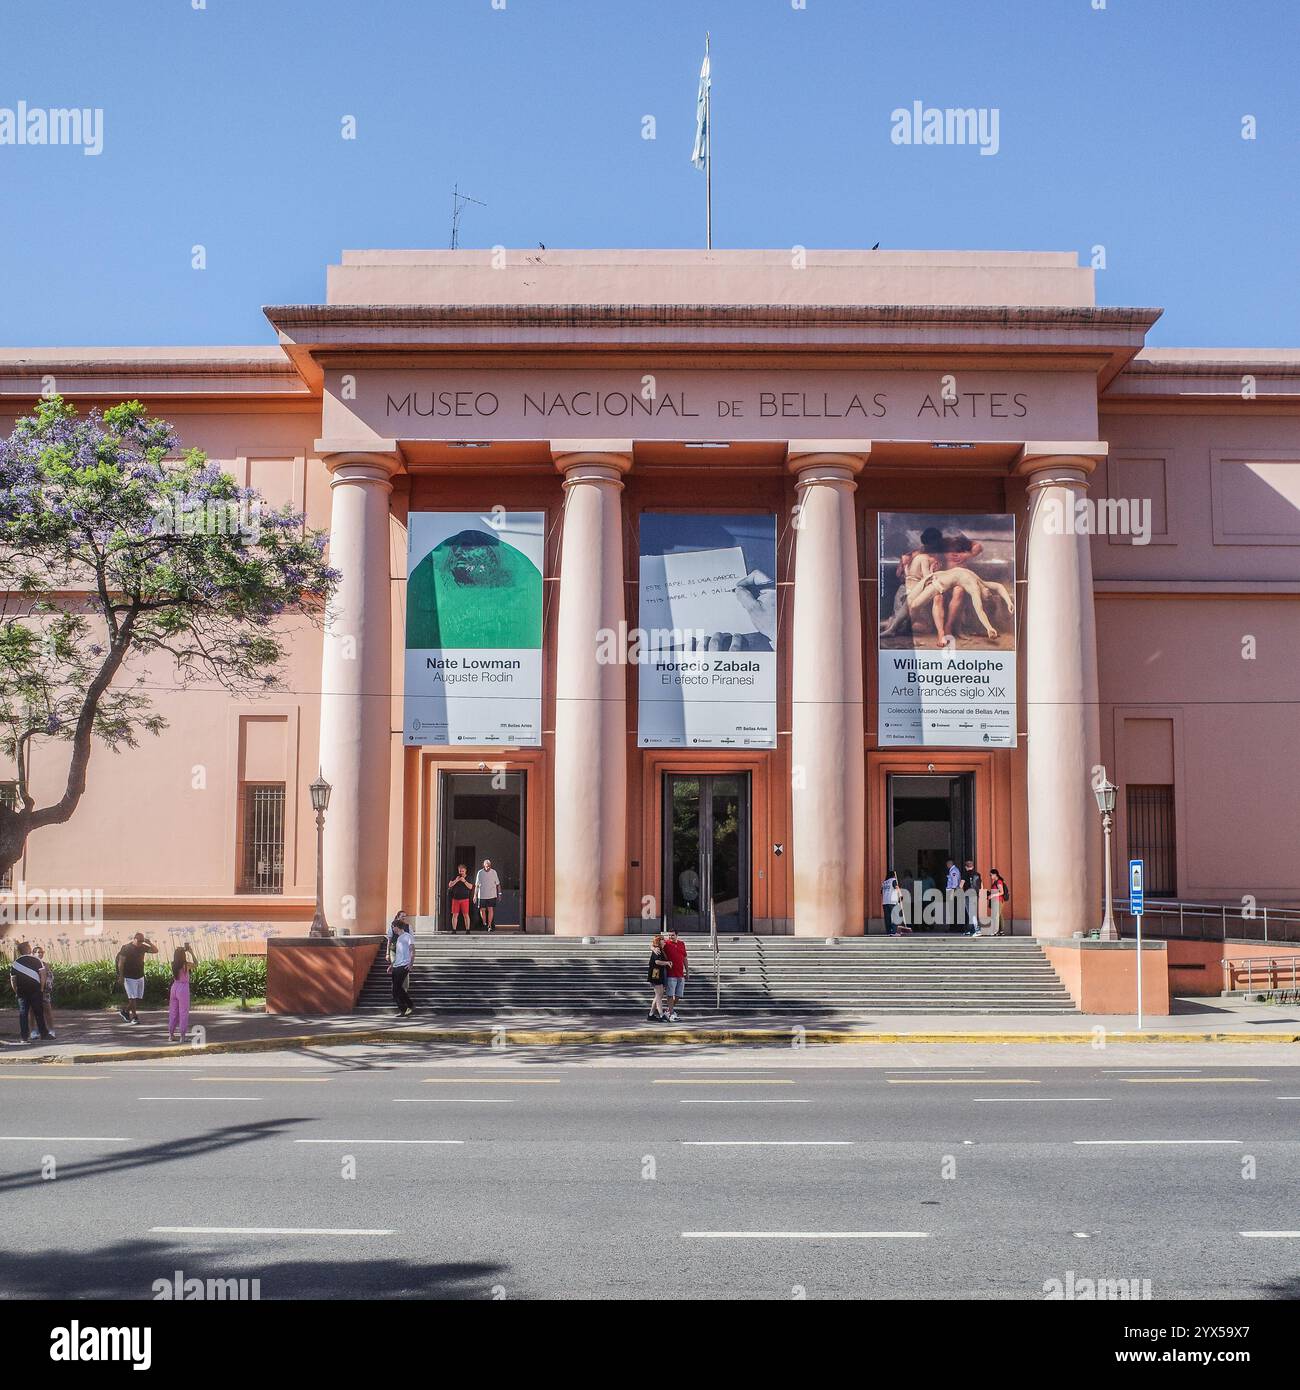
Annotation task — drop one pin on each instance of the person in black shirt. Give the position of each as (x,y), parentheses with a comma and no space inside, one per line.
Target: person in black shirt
(27,979)
(130,973)
(461,890)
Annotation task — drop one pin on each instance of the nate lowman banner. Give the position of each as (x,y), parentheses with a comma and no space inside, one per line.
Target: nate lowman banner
(947,630)
(474,628)
(707,631)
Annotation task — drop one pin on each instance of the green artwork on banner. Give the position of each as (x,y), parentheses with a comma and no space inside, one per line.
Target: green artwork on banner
(474,590)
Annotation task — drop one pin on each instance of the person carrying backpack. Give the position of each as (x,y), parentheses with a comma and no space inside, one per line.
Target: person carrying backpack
(999,902)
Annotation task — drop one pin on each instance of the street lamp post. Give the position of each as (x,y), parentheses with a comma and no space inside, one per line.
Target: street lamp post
(320,799)
(1106,805)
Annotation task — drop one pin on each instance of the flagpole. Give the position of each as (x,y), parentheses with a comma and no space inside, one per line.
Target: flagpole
(708,154)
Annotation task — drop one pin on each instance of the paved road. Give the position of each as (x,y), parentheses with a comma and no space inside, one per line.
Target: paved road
(757,1173)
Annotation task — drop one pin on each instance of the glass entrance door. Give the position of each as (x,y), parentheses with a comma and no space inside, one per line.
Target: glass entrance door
(706,851)
(482,818)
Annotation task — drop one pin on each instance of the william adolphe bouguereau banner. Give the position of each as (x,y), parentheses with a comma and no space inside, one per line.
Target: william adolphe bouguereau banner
(474,628)
(947,630)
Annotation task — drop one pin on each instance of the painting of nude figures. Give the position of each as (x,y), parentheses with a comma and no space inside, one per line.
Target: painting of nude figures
(947,581)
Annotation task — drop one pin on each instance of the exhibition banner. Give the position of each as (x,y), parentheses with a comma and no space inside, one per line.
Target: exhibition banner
(474,628)
(947,631)
(707,631)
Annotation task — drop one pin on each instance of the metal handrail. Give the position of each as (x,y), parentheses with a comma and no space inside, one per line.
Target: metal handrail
(1270,963)
(1269,921)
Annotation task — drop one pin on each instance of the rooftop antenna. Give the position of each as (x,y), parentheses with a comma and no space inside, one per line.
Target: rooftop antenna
(458,201)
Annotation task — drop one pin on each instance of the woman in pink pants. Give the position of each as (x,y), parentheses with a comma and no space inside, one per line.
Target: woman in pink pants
(178,1011)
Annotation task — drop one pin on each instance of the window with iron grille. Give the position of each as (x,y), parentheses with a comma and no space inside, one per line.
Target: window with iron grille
(263,842)
(8,799)
(1151,837)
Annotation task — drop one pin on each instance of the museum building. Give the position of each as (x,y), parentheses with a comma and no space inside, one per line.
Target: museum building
(692,587)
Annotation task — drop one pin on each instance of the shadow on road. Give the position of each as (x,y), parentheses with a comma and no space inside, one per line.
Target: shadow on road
(170,1150)
(130,1269)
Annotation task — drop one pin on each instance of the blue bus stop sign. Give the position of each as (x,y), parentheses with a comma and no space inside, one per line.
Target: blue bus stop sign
(1136,893)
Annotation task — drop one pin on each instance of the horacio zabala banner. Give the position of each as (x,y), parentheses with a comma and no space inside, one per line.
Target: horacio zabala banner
(947,631)
(707,620)
(474,628)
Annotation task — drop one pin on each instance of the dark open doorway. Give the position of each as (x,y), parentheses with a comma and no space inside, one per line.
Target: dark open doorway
(483,817)
(931,820)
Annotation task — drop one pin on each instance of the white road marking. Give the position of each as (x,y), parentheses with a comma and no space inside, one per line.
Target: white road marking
(963,1081)
(1187,1080)
(722,1081)
(491,1081)
(805,1235)
(62,1139)
(272,1080)
(203,1100)
(272,1231)
(1157,1141)
(719,1100)
(378,1141)
(768,1143)
(1271,1235)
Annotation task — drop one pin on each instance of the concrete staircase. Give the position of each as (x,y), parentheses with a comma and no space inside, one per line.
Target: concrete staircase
(920,974)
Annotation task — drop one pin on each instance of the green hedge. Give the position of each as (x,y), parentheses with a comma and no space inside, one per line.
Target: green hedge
(93,984)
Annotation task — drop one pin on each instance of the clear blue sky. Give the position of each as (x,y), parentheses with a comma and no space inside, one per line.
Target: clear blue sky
(222,127)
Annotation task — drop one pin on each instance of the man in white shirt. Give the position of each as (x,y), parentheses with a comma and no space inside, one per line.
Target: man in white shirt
(403,958)
(487,888)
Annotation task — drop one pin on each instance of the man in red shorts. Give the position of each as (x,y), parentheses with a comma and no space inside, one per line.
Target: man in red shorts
(461,892)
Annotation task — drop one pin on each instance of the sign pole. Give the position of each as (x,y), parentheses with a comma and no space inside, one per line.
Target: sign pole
(1136,906)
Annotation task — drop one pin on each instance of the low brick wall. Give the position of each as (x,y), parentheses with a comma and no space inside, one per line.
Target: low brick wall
(305,975)
(1101,976)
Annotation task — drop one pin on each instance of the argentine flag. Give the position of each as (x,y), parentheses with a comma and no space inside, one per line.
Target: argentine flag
(699,153)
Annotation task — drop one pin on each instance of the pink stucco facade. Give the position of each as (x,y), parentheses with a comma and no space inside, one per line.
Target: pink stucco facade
(1172,663)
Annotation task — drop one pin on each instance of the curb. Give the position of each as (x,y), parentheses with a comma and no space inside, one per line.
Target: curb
(578,1037)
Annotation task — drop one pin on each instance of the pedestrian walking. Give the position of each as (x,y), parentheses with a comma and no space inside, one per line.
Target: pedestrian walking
(657,974)
(402,959)
(675,950)
(390,933)
(27,980)
(971,883)
(889,903)
(462,893)
(487,888)
(47,990)
(178,1001)
(130,974)
(999,901)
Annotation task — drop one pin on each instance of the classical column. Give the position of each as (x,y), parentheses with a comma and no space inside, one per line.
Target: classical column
(590,821)
(826,745)
(356,682)
(1061,692)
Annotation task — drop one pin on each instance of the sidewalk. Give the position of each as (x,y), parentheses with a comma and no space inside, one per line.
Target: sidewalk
(102,1036)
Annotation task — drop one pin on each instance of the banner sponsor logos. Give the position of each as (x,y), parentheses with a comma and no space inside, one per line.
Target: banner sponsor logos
(947,630)
(474,628)
(707,618)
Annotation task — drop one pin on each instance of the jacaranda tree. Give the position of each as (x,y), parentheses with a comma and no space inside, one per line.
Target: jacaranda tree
(118,549)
